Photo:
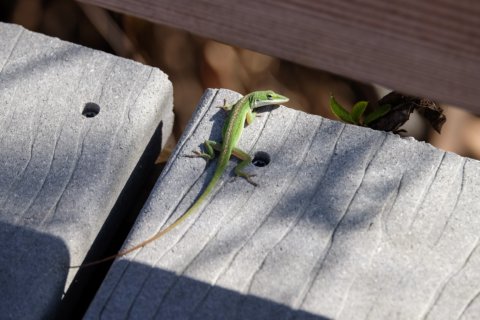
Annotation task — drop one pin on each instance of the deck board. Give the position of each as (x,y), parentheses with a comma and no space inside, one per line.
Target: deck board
(61,173)
(346,222)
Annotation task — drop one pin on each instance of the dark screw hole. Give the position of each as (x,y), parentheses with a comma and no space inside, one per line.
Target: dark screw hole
(90,109)
(261,159)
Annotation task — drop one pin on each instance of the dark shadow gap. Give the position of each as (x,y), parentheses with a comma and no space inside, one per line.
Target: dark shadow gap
(114,231)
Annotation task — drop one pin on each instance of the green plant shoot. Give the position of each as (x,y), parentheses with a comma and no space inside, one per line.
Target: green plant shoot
(356,116)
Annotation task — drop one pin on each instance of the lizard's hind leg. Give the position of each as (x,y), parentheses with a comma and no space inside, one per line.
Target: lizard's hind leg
(246,160)
(209,153)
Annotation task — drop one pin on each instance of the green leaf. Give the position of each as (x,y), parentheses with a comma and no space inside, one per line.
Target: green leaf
(377,113)
(340,111)
(358,110)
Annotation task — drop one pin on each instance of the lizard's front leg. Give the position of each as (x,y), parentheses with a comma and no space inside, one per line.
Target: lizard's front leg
(226,106)
(250,116)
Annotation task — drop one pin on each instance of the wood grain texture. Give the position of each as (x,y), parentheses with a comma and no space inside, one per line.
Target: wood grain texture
(61,173)
(428,48)
(346,223)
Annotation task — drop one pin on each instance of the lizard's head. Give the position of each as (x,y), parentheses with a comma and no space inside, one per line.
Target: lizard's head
(266,98)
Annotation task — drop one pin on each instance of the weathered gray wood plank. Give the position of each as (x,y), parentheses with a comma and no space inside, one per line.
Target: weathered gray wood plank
(61,172)
(346,222)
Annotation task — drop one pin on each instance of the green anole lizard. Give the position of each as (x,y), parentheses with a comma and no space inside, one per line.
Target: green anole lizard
(240,113)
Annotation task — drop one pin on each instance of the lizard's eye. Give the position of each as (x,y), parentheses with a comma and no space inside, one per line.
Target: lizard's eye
(269,96)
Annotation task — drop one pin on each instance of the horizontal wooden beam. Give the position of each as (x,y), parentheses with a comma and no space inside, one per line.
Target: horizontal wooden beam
(429,48)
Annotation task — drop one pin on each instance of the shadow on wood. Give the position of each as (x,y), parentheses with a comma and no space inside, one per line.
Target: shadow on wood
(32,272)
(180,297)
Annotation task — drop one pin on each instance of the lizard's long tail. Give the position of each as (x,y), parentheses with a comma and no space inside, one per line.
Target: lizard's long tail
(159,234)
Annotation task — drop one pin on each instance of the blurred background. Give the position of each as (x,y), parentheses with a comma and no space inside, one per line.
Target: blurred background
(194,63)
